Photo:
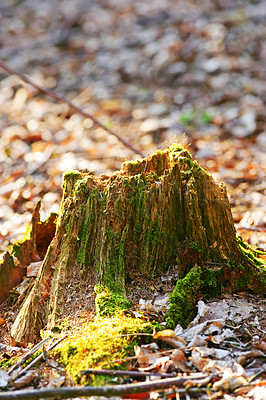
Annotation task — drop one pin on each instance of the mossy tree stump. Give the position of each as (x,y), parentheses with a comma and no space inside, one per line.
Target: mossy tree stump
(154,213)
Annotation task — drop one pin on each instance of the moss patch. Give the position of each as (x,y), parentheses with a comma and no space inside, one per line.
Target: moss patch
(183,299)
(108,302)
(96,343)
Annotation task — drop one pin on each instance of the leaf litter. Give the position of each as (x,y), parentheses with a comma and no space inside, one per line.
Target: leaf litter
(151,70)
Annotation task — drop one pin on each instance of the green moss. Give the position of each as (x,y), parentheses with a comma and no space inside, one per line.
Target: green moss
(135,167)
(69,180)
(183,298)
(72,175)
(118,206)
(6,364)
(210,283)
(16,249)
(62,326)
(250,253)
(108,302)
(195,246)
(96,343)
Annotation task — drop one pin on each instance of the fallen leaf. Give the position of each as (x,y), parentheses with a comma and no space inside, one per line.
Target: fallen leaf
(25,380)
(169,336)
(14,343)
(4,378)
(179,360)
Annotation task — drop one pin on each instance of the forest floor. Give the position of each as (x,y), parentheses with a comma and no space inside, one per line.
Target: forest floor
(154,72)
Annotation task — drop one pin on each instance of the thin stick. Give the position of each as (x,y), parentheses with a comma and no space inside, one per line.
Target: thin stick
(146,163)
(28,355)
(136,357)
(107,391)
(37,359)
(124,373)
(72,106)
(130,334)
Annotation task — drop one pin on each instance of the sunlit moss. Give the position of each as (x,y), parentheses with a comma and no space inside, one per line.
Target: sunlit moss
(96,343)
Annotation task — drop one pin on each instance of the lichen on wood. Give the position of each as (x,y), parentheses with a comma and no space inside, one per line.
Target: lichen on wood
(160,211)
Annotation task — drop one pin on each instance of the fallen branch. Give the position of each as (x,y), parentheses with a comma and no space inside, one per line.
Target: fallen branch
(72,106)
(37,359)
(124,373)
(28,355)
(107,391)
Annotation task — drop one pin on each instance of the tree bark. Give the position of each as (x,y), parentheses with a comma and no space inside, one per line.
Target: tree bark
(156,212)
(14,265)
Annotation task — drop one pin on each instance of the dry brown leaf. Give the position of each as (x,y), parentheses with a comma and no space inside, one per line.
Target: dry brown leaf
(142,357)
(33,268)
(261,345)
(169,336)
(14,343)
(179,360)
(197,360)
(25,380)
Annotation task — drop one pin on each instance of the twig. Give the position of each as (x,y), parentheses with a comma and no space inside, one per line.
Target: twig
(136,357)
(28,355)
(37,359)
(146,163)
(72,106)
(107,391)
(124,373)
(130,334)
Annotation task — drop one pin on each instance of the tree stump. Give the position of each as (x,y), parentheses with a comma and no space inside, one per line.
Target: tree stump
(33,248)
(160,211)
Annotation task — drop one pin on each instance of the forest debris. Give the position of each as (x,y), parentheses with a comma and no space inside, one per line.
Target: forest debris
(232,378)
(141,354)
(171,338)
(20,373)
(109,391)
(25,380)
(4,378)
(33,268)
(160,364)
(2,321)
(56,379)
(179,361)
(136,374)
(28,355)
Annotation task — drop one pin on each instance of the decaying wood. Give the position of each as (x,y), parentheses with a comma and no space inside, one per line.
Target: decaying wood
(14,265)
(160,211)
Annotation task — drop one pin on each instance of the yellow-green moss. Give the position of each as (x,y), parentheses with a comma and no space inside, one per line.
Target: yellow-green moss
(108,302)
(96,343)
(251,253)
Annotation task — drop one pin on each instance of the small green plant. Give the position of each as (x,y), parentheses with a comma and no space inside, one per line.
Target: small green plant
(187,117)
(206,117)
(194,117)
(108,124)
